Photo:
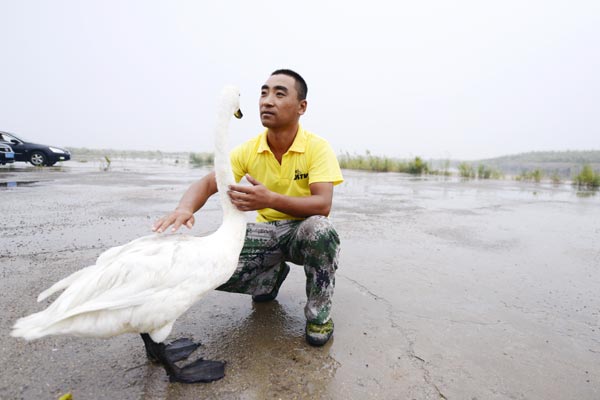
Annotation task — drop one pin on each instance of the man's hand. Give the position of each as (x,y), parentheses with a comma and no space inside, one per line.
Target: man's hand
(176,218)
(250,198)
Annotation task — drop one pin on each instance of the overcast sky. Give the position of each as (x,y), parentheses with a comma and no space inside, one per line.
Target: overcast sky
(437,79)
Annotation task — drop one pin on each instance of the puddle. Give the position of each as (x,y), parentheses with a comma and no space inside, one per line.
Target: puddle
(586,193)
(13,184)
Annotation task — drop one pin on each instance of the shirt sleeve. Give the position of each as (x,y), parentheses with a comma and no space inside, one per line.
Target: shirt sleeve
(324,166)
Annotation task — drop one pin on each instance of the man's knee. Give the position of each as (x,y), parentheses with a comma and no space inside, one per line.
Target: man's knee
(320,241)
(318,228)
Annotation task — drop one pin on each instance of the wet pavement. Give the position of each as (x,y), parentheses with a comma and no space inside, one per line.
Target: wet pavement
(446,290)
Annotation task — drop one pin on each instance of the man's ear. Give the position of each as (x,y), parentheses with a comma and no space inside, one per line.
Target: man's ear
(302,107)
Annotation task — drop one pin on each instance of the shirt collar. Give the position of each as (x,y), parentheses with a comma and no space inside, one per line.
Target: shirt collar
(298,146)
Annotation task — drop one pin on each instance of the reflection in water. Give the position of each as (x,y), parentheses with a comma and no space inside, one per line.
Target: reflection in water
(26,168)
(587,193)
(272,357)
(267,356)
(14,184)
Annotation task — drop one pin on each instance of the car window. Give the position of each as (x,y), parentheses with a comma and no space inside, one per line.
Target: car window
(5,137)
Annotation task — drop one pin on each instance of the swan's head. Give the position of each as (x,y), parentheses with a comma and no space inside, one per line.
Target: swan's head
(231,99)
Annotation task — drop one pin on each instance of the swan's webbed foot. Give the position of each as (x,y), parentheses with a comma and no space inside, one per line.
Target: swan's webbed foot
(197,371)
(180,349)
(175,351)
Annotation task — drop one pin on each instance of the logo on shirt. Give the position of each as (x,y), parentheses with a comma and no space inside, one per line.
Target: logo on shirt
(300,175)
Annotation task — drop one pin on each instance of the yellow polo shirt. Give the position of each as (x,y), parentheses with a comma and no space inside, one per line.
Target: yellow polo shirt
(310,159)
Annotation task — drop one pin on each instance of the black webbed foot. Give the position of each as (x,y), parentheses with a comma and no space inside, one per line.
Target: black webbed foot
(180,349)
(197,371)
(175,351)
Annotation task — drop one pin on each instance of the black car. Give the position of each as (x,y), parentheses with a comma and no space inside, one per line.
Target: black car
(7,155)
(37,154)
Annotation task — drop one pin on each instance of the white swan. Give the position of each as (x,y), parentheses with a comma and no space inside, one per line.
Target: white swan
(145,285)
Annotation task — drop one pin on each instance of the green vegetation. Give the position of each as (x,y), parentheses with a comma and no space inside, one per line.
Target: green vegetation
(417,167)
(445,168)
(201,159)
(105,164)
(373,163)
(369,162)
(536,175)
(466,170)
(587,178)
(485,172)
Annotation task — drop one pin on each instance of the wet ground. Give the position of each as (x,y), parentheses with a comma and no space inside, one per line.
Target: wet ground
(446,290)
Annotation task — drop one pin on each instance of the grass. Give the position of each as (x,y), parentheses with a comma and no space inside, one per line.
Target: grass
(105,164)
(369,162)
(555,178)
(466,170)
(416,166)
(587,178)
(201,159)
(535,175)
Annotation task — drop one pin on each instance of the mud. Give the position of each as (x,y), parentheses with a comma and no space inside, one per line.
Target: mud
(446,290)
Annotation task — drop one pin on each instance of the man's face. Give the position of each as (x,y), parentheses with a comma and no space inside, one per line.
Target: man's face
(279,105)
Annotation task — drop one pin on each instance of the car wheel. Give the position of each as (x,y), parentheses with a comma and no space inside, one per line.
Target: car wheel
(37,158)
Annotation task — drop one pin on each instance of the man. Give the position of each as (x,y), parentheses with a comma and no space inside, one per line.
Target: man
(292,173)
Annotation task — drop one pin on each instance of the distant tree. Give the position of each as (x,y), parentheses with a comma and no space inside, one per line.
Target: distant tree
(587,178)
(417,167)
(466,170)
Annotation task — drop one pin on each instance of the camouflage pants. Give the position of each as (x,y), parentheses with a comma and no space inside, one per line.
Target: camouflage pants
(312,242)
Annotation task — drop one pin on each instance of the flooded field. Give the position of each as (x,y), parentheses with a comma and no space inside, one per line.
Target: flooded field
(446,290)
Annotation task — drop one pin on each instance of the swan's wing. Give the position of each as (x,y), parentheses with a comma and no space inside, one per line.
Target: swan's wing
(118,310)
(63,283)
(105,258)
(116,299)
(142,275)
(143,288)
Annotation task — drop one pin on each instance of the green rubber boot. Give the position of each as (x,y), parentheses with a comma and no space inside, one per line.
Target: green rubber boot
(319,334)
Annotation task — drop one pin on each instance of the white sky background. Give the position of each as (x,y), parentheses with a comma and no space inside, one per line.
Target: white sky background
(437,79)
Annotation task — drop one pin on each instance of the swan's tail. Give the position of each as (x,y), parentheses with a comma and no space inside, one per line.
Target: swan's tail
(35,326)
(93,319)
(31,327)
(106,315)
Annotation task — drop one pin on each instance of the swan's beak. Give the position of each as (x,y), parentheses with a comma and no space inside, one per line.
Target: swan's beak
(238,114)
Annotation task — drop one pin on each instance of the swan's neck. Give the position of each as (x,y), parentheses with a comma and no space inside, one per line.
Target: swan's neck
(223,173)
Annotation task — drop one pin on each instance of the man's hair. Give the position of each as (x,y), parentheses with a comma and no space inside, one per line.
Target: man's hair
(301,87)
